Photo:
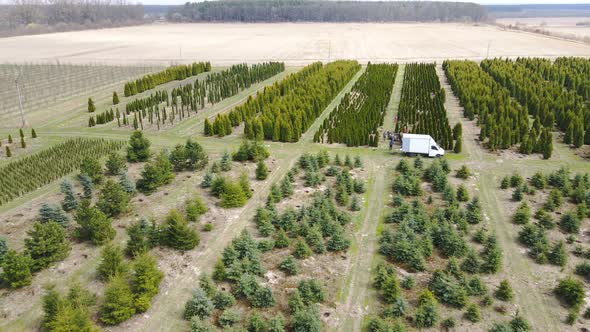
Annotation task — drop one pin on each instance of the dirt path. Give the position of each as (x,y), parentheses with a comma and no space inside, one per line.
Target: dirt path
(471,149)
(393,106)
(307,137)
(356,286)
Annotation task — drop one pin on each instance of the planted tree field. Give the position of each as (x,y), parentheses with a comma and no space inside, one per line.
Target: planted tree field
(436,255)
(163,107)
(300,239)
(503,121)
(572,74)
(547,101)
(286,110)
(32,172)
(172,73)
(550,213)
(41,85)
(355,121)
(421,108)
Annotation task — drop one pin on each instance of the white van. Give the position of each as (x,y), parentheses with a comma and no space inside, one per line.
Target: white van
(413,144)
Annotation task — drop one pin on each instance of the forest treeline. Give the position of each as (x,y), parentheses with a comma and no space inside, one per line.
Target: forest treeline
(326,11)
(23,17)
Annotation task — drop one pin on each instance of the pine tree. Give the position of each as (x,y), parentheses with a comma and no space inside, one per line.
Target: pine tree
(233,195)
(8,153)
(9,139)
(245,184)
(86,183)
(301,250)
(69,202)
(177,234)
(118,305)
(91,107)
(21,133)
(115,98)
(145,281)
(139,238)
(112,262)
(92,167)
(113,199)
(127,184)
(355,205)
(23,144)
(195,208)
(155,173)
(504,291)
(46,244)
(207,180)
(139,148)
(225,163)
(115,164)
(93,224)
(261,171)
(53,213)
(198,306)
(16,269)
(3,249)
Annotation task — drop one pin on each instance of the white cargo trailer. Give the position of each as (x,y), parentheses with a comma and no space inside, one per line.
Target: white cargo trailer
(413,144)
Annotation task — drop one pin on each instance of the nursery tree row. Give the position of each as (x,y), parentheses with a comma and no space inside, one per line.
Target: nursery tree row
(191,97)
(502,120)
(172,73)
(285,110)
(571,73)
(32,172)
(421,107)
(547,101)
(218,86)
(355,121)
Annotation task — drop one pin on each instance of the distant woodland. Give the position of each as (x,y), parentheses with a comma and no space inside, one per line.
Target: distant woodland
(23,17)
(326,11)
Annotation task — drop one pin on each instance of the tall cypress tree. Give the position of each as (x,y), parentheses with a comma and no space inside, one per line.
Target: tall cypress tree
(91,107)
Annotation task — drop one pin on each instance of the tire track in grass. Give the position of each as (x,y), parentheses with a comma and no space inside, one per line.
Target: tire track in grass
(356,286)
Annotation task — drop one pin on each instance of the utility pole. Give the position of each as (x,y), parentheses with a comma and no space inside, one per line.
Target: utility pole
(329,50)
(20,100)
(488,53)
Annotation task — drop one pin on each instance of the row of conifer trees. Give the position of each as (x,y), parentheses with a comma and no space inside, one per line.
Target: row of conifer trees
(355,121)
(172,73)
(572,74)
(286,110)
(31,172)
(547,100)
(183,100)
(421,108)
(502,120)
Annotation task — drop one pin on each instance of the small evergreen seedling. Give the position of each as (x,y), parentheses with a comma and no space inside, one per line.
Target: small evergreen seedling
(504,291)
(261,171)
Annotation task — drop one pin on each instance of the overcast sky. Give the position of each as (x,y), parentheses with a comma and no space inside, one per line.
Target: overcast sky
(483,2)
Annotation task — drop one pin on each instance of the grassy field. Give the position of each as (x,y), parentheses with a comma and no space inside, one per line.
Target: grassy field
(356,297)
